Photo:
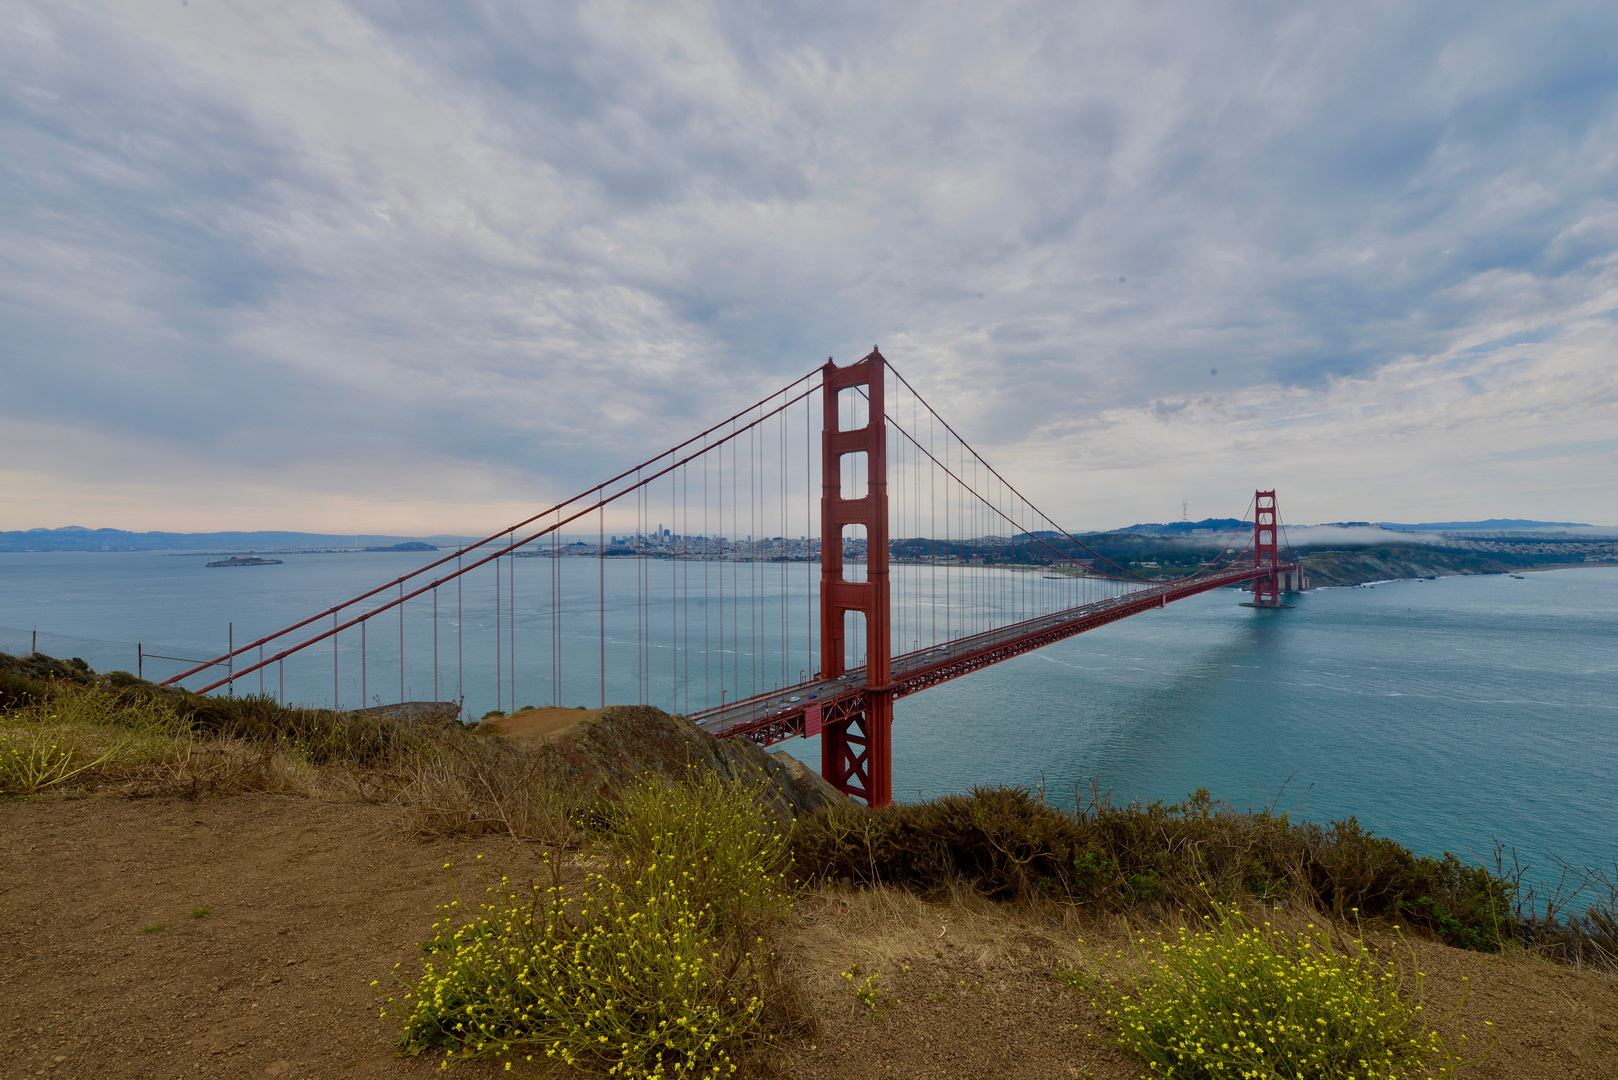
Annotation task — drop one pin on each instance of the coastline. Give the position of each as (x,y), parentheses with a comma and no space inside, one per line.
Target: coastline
(1338,568)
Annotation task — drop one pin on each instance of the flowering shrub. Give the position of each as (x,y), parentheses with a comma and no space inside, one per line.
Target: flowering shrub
(1239,1000)
(656,967)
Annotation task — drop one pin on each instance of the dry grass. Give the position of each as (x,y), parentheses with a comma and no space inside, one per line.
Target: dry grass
(883,928)
(478,785)
(87,738)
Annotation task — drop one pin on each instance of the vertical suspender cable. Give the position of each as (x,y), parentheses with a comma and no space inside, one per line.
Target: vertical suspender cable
(752,576)
(719,496)
(809,539)
(499,673)
(673,588)
(735,573)
(707,696)
(556,613)
(511,616)
(601,591)
(685,577)
(640,592)
(460,636)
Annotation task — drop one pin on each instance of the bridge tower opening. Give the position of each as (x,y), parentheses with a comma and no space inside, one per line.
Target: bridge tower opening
(856,751)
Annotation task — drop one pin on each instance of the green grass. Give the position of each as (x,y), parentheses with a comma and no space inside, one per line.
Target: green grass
(659,964)
(201,912)
(154,928)
(1238,999)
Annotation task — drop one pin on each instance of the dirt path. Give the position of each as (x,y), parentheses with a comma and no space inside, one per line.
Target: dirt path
(308,901)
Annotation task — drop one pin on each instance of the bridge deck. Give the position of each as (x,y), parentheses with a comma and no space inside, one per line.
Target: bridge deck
(780,714)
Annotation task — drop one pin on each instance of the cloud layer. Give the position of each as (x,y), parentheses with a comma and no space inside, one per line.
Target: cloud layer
(409,269)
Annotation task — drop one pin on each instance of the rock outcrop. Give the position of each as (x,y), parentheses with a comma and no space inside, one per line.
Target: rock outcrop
(612,747)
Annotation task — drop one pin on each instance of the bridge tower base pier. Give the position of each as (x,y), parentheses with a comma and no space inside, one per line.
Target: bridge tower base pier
(856,755)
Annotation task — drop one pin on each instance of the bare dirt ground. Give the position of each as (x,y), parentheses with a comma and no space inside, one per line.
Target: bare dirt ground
(307,901)
(546,725)
(980,997)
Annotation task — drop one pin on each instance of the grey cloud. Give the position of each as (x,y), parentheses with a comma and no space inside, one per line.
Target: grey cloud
(1294,194)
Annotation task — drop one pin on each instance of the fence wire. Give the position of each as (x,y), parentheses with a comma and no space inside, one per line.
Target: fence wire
(148,660)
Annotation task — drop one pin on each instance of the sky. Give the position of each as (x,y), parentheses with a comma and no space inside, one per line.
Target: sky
(418,269)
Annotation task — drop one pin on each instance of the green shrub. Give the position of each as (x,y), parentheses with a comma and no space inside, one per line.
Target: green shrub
(1239,1000)
(1009,843)
(658,966)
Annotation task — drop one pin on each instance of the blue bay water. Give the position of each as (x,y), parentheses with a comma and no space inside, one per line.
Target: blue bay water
(1441,713)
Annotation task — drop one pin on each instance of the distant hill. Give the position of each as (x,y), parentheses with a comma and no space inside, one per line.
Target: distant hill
(1488,525)
(1185,528)
(77,538)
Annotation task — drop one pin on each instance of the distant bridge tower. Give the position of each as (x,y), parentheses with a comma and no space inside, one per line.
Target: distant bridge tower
(856,753)
(1266,589)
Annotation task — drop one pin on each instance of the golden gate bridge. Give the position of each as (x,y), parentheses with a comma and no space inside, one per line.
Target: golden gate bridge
(916,537)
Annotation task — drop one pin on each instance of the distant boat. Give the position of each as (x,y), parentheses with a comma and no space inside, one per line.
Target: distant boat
(246,560)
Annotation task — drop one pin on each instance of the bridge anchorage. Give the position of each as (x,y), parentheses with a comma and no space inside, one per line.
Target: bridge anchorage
(931,565)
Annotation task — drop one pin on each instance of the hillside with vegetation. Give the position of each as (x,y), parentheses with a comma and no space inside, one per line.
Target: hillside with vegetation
(232,886)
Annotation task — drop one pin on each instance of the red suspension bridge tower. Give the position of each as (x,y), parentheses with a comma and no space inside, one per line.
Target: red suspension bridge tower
(1266,551)
(856,752)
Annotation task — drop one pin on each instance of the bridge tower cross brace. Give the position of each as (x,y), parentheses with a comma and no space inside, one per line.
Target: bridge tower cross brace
(1266,589)
(856,752)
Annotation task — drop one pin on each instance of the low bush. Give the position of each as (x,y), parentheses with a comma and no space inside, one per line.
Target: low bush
(1236,999)
(658,965)
(1010,843)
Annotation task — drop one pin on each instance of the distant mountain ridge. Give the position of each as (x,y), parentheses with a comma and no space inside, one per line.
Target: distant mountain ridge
(78,538)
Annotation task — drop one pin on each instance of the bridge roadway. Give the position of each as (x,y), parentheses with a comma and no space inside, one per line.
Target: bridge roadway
(781,714)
